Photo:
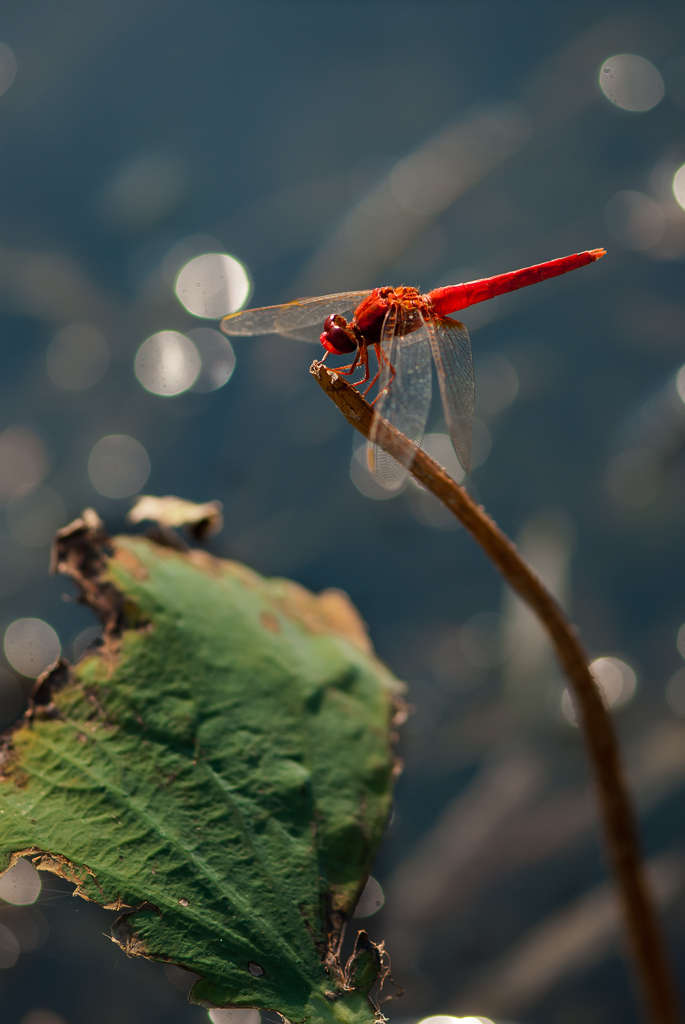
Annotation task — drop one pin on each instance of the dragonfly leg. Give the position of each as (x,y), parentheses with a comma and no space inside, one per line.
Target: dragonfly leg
(366,391)
(347,370)
(365,364)
(381,359)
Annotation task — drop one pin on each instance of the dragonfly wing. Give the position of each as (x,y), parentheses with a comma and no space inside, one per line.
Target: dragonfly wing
(306,312)
(404,389)
(293,317)
(451,347)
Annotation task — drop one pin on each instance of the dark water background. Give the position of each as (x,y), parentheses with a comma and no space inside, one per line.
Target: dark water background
(132,125)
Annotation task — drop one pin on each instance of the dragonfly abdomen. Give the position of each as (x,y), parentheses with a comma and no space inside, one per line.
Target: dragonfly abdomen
(458,296)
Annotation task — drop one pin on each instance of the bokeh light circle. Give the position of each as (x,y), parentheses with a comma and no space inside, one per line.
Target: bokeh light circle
(33,519)
(443,1019)
(680,641)
(234,1015)
(218,358)
(364,480)
(484,641)
(430,511)
(213,285)
(8,67)
(371,899)
(679,186)
(440,447)
(118,466)
(77,357)
(675,692)
(635,220)
(9,947)
(634,477)
(631,82)
(498,383)
(41,1016)
(143,191)
(680,384)
(167,363)
(30,646)
(21,884)
(87,638)
(23,463)
(616,680)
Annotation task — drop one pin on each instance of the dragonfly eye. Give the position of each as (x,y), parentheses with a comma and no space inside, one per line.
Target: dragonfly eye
(336,337)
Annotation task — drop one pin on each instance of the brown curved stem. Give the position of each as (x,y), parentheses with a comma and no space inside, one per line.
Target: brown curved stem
(620,826)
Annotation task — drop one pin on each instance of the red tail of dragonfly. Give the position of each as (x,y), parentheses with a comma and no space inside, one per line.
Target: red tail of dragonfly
(407,330)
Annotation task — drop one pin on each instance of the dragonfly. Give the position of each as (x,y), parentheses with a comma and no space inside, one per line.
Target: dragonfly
(409,332)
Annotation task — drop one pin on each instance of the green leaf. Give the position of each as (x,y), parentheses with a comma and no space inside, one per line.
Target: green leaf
(222,765)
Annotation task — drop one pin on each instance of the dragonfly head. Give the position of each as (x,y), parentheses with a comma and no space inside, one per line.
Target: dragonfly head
(338,336)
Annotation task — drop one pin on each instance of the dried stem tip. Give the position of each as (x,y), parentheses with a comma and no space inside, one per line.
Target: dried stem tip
(620,826)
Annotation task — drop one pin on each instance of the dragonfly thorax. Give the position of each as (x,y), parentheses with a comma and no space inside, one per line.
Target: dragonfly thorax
(371,313)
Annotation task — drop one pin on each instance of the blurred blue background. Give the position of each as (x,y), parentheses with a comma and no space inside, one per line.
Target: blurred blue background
(328,146)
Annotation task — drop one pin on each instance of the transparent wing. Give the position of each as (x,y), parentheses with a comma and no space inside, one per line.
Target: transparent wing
(404,389)
(451,347)
(292,317)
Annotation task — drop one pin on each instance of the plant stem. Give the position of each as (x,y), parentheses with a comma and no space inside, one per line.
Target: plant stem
(620,826)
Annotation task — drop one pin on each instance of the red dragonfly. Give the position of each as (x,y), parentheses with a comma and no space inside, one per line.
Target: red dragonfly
(405,328)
